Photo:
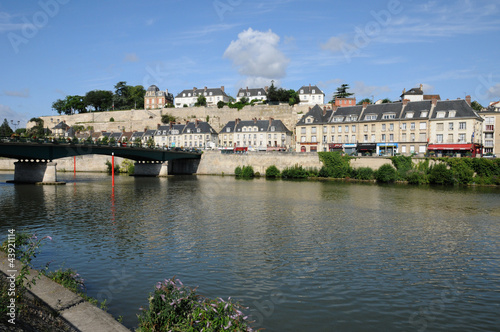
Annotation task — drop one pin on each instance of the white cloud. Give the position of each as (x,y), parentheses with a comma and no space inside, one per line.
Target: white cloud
(336,44)
(21,94)
(494,92)
(363,90)
(8,113)
(131,57)
(257,56)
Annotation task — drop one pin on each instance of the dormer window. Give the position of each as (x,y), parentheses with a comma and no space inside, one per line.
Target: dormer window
(259,93)
(184,95)
(188,130)
(369,117)
(301,91)
(198,130)
(248,94)
(440,114)
(228,130)
(338,119)
(424,114)
(242,94)
(313,91)
(273,128)
(409,115)
(451,114)
(389,116)
(308,120)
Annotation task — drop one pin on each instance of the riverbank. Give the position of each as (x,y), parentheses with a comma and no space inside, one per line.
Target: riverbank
(52,307)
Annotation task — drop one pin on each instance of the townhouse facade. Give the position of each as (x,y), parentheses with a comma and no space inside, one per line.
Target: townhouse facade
(198,134)
(394,128)
(311,95)
(190,97)
(259,135)
(252,94)
(156,98)
(491,136)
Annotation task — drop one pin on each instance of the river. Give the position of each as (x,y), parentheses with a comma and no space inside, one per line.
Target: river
(302,255)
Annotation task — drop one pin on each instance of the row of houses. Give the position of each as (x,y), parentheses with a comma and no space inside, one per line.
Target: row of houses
(416,125)
(156,98)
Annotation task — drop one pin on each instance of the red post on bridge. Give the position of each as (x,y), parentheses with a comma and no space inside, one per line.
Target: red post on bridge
(113,169)
(74,165)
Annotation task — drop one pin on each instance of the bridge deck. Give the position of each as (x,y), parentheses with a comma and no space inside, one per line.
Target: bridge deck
(51,151)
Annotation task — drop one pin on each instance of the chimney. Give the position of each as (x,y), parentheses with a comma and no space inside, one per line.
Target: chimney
(309,108)
(237,121)
(334,108)
(254,120)
(434,101)
(157,126)
(421,87)
(324,110)
(270,121)
(194,89)
(365,103)
(205,89)
(247,88)
(405,102)
(266,88)
(222,88)
(196,122)
(145,129)
(468,99)
(166,91)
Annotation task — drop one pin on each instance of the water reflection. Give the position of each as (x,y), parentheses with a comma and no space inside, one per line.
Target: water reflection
(303,255)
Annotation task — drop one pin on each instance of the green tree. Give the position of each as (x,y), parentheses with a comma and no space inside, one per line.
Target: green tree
(136,97)
(60,106)
(386,101)
(201,101)
(272,94)
(386,173)
(100,100)
(5,130)
(476,106)
(76,104)
(342,92)
(167,118)
(121,95)
(37,130)
(220,104)
(244,100)
(365,100)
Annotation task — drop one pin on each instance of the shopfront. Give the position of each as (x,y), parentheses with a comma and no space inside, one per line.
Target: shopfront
(451,150)
(350,149)
(335,147)
(367,149)
(387,149)
(308,147)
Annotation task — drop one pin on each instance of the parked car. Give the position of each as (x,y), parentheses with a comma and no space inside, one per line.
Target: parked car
(489,156)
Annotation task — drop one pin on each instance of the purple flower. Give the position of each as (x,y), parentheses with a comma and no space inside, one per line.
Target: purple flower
(163,297)
(228,325)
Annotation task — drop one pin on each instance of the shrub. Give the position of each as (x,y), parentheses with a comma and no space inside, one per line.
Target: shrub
(247,172)
(364,173)
(463,175)
(295,172)
(273,172)
(127,167)
(402,163)
(338,166)
(111,119)
(440,174)
(415,176)
(109,165)
(175,307)
(237,171)
(386,173)
(312,172)
(324,172)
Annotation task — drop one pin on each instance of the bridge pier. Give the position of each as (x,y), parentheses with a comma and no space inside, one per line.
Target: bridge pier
(35,172)
(151,168)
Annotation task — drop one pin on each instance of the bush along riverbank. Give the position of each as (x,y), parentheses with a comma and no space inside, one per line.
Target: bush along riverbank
(442,171)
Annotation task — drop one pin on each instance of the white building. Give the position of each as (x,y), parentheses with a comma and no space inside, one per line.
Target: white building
(311,95)
(252,94)
(190,97)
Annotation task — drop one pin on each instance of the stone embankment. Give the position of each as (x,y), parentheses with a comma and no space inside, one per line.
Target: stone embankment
(214,162)
(57,308)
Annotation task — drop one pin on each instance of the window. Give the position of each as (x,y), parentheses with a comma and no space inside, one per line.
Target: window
(412,137)
(365,138)
(403,137)
(451,114)
(308,120)
(353,128)
(333,138)
(365,128)
(450,138)
(462,126)
(346,139)
(302,130)
(302,138)
(440,114)
(389,116)
(338,119)
(324,138)
(313,138)
(346,129)
(439,126)
(409,115)
(391,126)
(421,148)
(391,137)
(403,126)
(439,138)
(412,126)
(373,127)
(228,130)
(412,148)
(273,128)
(339,138)
(423,125)
(421,137)
(461,138)
(403,149)
(373,137)
(383,137)
(424,114)
(450,126)
(369,117)
(339,129)
(313,130)
(301,91)
(325,129)
(383,127)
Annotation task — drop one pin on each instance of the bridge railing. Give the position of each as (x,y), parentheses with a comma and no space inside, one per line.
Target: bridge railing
(67,141)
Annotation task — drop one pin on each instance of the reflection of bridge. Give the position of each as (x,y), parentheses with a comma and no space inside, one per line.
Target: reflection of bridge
(35,160)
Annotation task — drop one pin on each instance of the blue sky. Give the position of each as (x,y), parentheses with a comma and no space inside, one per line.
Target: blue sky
(54,48)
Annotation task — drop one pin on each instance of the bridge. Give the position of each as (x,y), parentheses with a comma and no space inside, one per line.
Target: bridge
(36,159)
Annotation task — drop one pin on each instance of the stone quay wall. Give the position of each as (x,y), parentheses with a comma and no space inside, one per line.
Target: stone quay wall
(216,163)
(130,120)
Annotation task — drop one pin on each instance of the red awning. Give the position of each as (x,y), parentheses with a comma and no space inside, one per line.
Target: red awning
(450,147)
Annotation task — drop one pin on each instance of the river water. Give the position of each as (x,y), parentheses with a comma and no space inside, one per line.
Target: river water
(303,256)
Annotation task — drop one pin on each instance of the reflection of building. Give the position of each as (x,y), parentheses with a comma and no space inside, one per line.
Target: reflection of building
(311,95)
(252,94)
(155,98)
(255,134)
(386,129)
(190,97)
(491,137)
(198,134)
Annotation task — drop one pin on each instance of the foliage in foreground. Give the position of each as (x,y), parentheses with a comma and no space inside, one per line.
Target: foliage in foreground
(386,173)
(245,172)
(175,307)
